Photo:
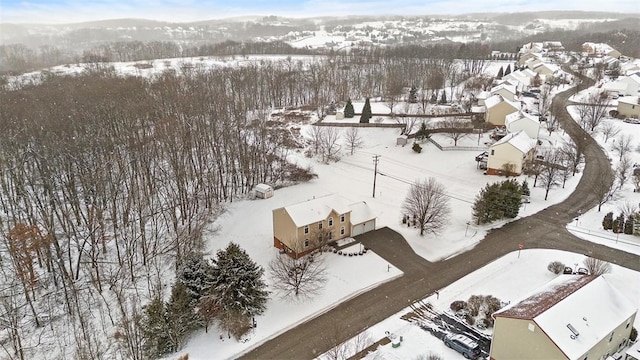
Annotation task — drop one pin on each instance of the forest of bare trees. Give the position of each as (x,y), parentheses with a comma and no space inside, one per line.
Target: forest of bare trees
(108,182)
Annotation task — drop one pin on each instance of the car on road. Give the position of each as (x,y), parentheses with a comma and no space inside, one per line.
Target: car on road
(464,345)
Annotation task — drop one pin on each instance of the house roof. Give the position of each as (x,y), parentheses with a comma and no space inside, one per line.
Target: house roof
(520,140)
(492,101)
(632,100)
(508,87)
(590,304)
(482,95)
(316,209)
(478,109)
(360,213)
(263,187)
(519,116)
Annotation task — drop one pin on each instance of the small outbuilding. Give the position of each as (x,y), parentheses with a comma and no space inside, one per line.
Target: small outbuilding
(263,191)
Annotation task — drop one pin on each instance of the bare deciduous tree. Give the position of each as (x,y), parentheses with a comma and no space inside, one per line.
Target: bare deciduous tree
(456,129)
(544,100)
(329,144)
(622,170)
(609,130)
(592,111)
(551,174)
(574,150)
(605,189)
(427,202)
(301,278)
(597,266)
(622,145)
(353,139)
(627,209)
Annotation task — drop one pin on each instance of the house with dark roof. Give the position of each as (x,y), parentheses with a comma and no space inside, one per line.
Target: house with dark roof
(572,317)
(300,228)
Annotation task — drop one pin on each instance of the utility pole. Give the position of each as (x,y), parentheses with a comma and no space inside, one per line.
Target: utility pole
(376,158)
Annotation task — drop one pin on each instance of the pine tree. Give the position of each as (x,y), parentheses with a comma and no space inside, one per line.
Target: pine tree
(511,193)
(155,330)
(628,226)
(434,97)
(181,315)
(366,112)
(348,110)
(197,274)
(443,98)
(618,224)
(507,71)
(525,188)
(607,221)
(413,95)
(238,281)
(500,73)
(498,200)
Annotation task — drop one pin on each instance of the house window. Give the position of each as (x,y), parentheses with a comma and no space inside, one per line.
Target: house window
(306,229)
(628,321)
(342,218)
(611,337)
(342,233)
(330,221)
(306,243)
(493,152)
(330,235)
(320,225)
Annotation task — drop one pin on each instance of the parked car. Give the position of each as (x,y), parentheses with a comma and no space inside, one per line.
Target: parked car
(568,270)
(631,121)
(464,345)
(535,91)
(529,94)
(582,271)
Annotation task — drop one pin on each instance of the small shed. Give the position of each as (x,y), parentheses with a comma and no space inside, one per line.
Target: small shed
(263,191)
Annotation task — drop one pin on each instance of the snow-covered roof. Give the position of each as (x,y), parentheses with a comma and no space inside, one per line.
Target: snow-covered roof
(598,48)
(360,213)
(520,140)
(519,116)
(478,109)
(263,187)
(590,304)
(508,87)
(482,95)
(492,101)
(632,100)
(316,209)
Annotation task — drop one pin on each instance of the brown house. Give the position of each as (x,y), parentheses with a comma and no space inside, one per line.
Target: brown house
(301,228)
(573,317)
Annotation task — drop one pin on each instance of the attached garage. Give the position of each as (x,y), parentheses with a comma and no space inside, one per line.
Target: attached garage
(362,220)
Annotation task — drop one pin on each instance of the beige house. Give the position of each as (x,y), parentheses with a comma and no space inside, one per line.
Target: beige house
(521,121)
(600,49)
(572,317)
(531,55)
(508,155)
(498,108)
(301,228)
(629,106)
(506,90)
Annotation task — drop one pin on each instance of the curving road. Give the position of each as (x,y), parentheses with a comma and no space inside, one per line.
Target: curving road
(545,229)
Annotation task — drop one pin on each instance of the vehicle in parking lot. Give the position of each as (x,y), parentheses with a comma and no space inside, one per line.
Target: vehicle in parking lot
(464,345)
(631,121)
(529,94)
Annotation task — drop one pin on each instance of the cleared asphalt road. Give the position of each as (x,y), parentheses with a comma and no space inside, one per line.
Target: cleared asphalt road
(545,229)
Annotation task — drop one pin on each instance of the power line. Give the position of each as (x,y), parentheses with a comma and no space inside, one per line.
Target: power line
(376,159)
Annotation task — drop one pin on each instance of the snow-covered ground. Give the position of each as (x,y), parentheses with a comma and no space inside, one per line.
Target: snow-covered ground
(352,179)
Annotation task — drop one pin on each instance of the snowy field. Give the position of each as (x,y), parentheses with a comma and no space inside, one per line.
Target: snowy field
(352,179)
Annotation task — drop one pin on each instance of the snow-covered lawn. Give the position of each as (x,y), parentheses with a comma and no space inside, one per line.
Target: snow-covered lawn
(249,223)
(588,226)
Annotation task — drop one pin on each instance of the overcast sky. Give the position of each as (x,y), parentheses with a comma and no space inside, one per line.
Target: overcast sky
(62,11)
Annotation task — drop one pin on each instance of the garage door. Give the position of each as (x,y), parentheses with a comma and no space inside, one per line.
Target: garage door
(357,230)
(369,225)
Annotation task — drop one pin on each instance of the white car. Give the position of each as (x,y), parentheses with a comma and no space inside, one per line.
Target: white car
(631,121)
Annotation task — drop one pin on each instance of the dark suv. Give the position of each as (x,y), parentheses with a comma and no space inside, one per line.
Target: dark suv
(464,345)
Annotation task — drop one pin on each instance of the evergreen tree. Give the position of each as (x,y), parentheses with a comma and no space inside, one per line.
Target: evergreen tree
(423,133)
(416,147)
(434,97)
(197,274)
(348,110)
(238,282)
(525,188)
(366,112)
(498,200)
(181,315)
(618,224)
(413,95)
(500,73)
(607,221)
(155,329)
(628,226)
(443,97)
(507,71)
